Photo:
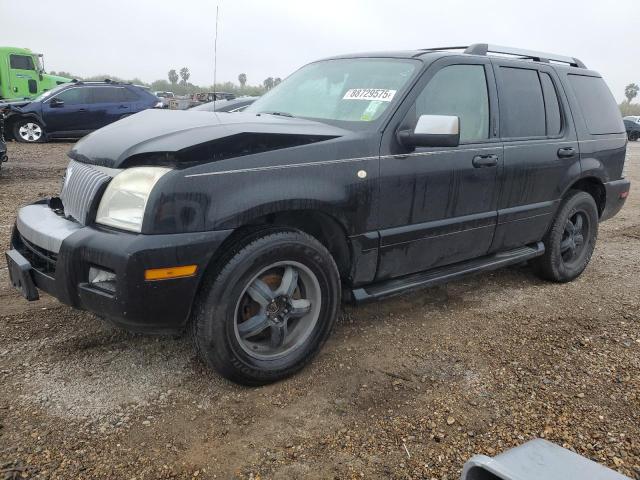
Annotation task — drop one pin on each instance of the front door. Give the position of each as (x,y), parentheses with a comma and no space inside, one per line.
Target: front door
(23,76)
(68,111)
(438,205)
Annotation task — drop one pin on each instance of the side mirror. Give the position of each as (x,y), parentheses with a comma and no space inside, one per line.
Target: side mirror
(56,103)
(432,131)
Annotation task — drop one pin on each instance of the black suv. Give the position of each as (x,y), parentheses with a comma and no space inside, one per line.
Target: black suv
(358,177)
(74,109)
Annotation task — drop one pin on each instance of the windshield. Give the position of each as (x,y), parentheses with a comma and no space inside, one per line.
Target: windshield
(350,89)
(48,93)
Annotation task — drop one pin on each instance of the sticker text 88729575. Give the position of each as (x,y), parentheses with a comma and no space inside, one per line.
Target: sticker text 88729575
(382,94)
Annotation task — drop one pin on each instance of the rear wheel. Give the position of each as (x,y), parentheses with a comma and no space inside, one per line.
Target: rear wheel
(28,130)
(633,136)
(269,308)
(571,240)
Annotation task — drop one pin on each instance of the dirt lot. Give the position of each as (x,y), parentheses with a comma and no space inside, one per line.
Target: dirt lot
(406,388)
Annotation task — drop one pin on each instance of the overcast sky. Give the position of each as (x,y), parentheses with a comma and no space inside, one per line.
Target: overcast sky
(145,38)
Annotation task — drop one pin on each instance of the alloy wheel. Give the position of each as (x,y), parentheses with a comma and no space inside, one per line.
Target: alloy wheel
(573,238)
(30,132)
(277,310)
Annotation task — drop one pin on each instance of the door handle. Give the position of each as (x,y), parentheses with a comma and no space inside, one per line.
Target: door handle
(82,109)
(122,106)
(566,152)
(481,161)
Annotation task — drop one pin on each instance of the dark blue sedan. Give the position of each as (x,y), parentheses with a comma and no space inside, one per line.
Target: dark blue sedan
(75,109)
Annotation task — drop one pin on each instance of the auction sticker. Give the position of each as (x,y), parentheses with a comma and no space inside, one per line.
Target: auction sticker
(381,94)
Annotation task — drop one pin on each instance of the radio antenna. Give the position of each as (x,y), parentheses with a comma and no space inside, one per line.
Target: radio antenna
(215,59)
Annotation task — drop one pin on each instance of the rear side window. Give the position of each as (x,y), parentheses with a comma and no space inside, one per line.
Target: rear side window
(459,90)
(109,95)
(131,96)
(21,62)
(522,111)
(554,118)
(597,105)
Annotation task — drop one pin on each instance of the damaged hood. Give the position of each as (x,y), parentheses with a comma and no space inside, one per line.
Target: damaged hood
(185,138)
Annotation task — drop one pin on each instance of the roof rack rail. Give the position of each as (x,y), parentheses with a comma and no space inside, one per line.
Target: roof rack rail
(485,48)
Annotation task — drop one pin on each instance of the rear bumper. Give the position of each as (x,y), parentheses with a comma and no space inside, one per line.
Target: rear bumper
(616,195)
(61,253)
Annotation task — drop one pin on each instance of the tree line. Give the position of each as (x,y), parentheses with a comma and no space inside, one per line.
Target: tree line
(178,82)
(628,108)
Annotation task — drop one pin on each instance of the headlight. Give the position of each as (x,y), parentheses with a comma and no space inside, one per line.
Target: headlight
(125,199)
(159,104)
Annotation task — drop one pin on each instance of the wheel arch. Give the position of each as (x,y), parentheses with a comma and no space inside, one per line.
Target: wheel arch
(594,187)
(322,226)
(11,120)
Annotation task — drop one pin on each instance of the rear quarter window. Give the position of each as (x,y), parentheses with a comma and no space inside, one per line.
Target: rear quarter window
(597,105)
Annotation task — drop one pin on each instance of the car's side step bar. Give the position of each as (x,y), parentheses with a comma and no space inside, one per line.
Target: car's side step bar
(446,274)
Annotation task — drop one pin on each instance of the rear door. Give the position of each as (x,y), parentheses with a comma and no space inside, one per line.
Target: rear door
(438,204)
(69,116)
(541,153)
(108,104)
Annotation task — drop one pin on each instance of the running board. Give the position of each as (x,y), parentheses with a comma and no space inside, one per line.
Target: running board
(440,275)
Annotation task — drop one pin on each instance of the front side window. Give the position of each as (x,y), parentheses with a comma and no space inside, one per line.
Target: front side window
(350,90)
(522,113)
(74,96)
(21,62)
(459,90)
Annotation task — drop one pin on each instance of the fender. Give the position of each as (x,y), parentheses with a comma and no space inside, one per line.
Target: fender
(13,116)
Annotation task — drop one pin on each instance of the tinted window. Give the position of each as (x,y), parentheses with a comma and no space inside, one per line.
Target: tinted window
(554,120)
(130,96)
(521,104)
(597,105)
(22,62)
(74,96)
(459,90)
(109,94)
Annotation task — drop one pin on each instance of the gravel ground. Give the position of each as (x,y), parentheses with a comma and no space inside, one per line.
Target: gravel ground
(406,388)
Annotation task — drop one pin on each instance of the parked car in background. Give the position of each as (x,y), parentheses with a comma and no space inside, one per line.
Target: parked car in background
(22,74)
(360,176)
(72,110)
(632,127)
(231,106)
(212,96)
(165,98)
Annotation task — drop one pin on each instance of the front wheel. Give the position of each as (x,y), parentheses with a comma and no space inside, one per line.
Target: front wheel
(28,131)
(633,136)
(570,241)
(268,308)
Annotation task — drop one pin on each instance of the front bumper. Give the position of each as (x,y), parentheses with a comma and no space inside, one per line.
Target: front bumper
(61,252)
(616,194)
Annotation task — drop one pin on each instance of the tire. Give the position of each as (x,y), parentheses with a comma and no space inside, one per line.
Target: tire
(297,286)
(28,130)
(570,241)
(633,136)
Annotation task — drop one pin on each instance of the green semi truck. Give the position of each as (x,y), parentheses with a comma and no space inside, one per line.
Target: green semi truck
(22,74)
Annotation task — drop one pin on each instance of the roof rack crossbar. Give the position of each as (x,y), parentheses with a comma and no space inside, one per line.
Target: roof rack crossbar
(484,49)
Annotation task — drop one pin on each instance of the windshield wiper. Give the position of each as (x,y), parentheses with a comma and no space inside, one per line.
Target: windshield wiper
(280,114)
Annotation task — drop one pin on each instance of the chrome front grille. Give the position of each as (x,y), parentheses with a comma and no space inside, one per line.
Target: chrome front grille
(81,185)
